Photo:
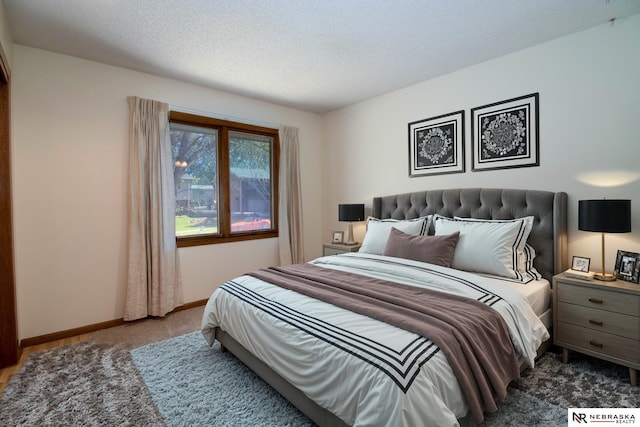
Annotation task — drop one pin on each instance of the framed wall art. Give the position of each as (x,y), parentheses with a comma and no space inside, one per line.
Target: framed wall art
(436,145)
(628,266)
(505,134)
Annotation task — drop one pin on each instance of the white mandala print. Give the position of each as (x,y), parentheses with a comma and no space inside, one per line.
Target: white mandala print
(504,134)
(435,145)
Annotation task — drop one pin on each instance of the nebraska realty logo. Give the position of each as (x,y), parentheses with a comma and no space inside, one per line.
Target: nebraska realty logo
(603,416)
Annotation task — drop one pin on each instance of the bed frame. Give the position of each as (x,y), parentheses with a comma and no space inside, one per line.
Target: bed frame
(548,237)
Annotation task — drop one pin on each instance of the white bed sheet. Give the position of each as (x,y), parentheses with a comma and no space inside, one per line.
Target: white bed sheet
(365,371)
(537,293)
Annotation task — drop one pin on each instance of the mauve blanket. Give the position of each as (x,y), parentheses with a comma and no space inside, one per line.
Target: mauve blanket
(473,336)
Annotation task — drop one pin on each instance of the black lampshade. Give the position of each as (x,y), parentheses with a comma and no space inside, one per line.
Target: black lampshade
(351,212)
(604,215)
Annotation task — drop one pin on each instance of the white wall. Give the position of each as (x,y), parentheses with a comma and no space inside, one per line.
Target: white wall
(69,121)
(70,134)
(589,85)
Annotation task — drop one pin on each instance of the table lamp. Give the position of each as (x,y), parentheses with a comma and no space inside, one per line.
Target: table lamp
(604,216)
(350,213)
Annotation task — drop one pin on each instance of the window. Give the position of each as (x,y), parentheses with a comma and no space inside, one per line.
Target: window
(225,176)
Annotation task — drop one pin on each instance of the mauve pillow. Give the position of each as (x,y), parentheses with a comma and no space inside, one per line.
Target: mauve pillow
(432,249)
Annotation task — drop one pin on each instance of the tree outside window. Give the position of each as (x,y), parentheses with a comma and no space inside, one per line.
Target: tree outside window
(225,176)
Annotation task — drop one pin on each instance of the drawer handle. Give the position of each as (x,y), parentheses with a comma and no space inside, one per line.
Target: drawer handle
(596,344)
(595,322)
(595,300)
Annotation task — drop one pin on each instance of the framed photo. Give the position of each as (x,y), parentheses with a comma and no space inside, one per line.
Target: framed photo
(436,145)
(505,134)
(628,266)
(580,264)
(337,237)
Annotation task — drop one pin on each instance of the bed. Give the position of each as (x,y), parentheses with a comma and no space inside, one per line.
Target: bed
(493,249)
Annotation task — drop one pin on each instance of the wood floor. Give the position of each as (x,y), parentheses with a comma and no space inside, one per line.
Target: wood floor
(129,336)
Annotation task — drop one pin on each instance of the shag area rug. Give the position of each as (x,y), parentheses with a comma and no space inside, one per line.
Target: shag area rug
(183,382)
(197,385)
(78,385)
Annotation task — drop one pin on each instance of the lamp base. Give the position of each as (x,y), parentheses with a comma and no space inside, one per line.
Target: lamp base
(350,241)
(605,277)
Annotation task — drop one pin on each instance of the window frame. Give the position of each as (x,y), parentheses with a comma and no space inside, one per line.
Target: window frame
(224,127)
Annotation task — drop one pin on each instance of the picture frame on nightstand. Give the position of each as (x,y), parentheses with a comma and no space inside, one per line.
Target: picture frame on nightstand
(580,264)
(337,237)
(628,266)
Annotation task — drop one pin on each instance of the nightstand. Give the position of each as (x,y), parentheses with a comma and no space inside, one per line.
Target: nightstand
(337,248)
(601,319)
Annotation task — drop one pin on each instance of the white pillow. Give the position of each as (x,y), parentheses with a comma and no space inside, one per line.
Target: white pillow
(526,272)
(487,246)
(525,264)
(378,231)
(527,219)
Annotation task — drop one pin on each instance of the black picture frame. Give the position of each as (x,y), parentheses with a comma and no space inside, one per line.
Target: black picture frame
(505,134)
(436,145)
(580,263)
(628,266)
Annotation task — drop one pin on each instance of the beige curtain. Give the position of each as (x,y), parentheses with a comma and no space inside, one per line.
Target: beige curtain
(154,285)
(290,203)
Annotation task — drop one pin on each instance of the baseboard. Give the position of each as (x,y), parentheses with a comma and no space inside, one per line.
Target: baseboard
(43,339)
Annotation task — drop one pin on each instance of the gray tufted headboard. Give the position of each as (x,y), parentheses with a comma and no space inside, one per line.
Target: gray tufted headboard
(549,234)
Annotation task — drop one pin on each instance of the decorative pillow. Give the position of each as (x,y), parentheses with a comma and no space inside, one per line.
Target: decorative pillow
(487,246)
(432,249)
(378,232)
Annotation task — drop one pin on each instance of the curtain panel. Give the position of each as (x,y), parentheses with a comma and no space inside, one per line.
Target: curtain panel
(154,285)
(290,203)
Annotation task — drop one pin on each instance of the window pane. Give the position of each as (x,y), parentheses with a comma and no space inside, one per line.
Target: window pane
(196,182)
(250,181)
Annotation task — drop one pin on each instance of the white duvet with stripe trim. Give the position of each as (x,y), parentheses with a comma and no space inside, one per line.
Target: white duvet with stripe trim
(365,371)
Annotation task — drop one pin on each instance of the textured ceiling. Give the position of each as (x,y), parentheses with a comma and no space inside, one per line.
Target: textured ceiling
(314,55)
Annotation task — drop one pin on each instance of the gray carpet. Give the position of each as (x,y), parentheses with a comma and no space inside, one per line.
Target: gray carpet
(183,382)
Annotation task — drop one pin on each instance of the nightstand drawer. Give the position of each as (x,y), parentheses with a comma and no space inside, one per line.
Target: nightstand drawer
(599,298)
(337,248)
(333,251)
(600,342)
(599,320)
